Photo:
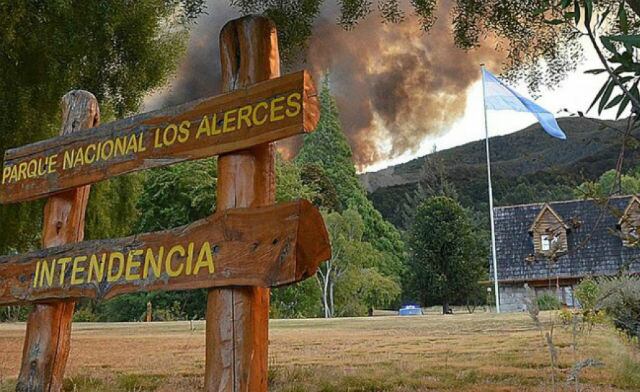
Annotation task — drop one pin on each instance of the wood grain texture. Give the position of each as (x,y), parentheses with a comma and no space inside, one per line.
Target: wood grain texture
(47,340)
(256,114)
(236,247)
(238,319)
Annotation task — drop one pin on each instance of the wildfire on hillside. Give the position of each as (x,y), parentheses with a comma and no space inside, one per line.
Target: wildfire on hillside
(394,84)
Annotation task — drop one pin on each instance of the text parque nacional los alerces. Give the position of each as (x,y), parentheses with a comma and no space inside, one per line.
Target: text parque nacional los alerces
(273,110)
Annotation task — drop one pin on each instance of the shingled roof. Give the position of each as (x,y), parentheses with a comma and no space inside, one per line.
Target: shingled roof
(594,248)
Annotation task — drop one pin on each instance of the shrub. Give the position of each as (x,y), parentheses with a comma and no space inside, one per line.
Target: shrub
(84,315)
(548,301)
(14,313)
(566,316)
(588,295)
(619,297)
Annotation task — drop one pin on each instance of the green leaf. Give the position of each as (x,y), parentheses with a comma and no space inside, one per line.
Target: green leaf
(539,11)
(606,42)
(623,106)
(633,39)
(576,10)
(554,21)
(565,3)
(614,101)
(604,86)
(634,91)
(588,11)
(622,19)
(625,79)
(605,96)
(595,71)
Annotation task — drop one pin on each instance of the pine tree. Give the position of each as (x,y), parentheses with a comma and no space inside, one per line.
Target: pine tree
(329,149)
(446,260)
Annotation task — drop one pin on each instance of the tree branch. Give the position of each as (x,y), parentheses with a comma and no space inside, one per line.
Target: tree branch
(634,101)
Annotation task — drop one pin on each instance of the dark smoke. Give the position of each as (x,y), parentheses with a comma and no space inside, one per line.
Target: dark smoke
(198,75)
(394,85)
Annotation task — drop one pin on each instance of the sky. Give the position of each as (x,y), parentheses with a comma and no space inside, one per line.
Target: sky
(575,94)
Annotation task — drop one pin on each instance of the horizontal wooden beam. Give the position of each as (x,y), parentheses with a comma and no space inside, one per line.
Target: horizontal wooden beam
(266,247)
(264,112)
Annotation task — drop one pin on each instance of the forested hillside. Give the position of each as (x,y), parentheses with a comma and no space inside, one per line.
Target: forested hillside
(527,166)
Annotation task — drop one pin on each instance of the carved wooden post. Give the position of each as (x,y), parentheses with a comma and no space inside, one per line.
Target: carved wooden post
(238,318)
(46,345)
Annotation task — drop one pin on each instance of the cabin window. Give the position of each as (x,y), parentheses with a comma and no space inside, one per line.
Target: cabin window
(545,243)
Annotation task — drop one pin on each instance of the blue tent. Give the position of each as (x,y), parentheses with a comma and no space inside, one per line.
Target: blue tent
(410,310)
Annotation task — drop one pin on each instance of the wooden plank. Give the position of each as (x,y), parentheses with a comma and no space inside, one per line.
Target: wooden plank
(47,340)
(268,246)
(254,115)
(237,335)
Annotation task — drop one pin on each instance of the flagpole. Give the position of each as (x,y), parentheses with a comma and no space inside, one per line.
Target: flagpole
(493,228)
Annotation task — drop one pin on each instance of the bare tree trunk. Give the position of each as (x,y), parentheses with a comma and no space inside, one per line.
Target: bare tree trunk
(445,306)
(325,292)
(331,285)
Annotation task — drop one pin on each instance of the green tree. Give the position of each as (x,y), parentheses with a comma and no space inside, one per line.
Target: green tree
(433,182)
(171,196)
(180,194)
(289,183)
(446,260)
(119,50)
(353,280)
(608,184)
(177,195)
(327,148)
(327,194)
(300,299)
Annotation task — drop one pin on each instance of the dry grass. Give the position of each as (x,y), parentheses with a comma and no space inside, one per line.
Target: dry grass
(480,352)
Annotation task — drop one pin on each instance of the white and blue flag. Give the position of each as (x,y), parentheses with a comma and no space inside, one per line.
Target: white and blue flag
(499,96)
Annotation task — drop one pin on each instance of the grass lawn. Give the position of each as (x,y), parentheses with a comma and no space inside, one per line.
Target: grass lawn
(478,352)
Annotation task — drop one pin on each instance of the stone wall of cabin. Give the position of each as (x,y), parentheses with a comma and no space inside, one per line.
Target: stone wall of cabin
(512,296)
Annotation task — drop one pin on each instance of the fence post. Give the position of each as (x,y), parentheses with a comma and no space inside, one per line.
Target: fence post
(47,340)
(238,318)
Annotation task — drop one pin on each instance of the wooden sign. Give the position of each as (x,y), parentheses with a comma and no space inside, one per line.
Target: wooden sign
(261,113)
(277,245)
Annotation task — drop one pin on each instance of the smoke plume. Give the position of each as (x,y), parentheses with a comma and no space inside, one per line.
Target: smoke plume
(394,85)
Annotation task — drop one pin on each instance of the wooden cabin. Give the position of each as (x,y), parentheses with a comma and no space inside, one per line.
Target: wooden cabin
(552,246)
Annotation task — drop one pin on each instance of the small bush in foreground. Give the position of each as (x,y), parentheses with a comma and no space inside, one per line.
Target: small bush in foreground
(548,301)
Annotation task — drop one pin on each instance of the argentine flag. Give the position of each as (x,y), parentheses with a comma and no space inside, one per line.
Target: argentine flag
(499,96)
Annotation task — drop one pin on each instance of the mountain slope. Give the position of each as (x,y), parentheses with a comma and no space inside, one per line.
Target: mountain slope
(526,165)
